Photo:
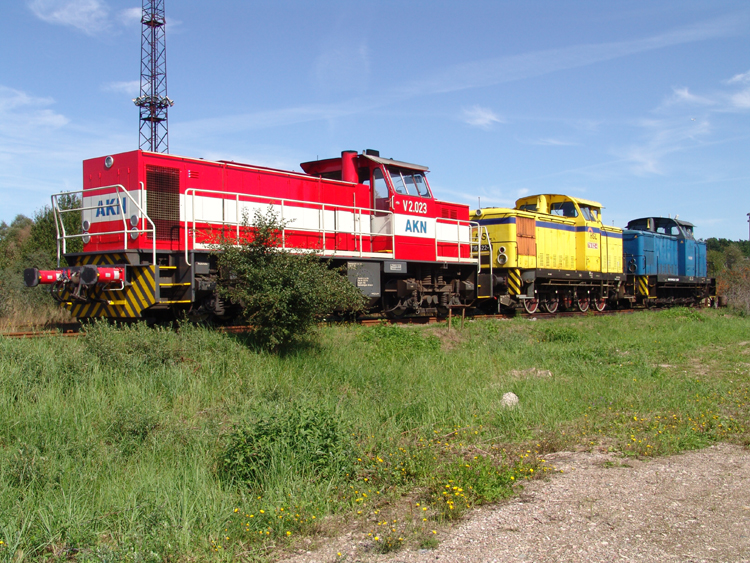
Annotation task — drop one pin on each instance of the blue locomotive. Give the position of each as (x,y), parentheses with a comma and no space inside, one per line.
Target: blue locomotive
(664,263)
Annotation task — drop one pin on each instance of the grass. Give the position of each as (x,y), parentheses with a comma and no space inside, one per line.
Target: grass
(138,444)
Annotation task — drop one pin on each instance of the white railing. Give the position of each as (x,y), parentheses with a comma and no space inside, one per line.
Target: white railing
(119,189)
(322,229)
(458,241)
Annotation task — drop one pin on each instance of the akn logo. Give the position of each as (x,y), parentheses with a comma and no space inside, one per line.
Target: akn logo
(112,207)
(414,226)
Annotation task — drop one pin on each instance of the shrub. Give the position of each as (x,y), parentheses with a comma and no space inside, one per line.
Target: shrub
(734,284)
(33,242)
(303,439)
(282,295)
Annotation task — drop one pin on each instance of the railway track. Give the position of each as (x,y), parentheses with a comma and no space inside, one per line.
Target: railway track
(72,330)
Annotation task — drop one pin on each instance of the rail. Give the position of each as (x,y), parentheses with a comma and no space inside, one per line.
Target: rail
(322,229)
(120,191)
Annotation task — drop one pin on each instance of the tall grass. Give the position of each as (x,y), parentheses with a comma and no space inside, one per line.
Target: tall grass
(146,444)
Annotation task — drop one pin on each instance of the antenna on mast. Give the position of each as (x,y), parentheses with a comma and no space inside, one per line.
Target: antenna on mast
(153,101)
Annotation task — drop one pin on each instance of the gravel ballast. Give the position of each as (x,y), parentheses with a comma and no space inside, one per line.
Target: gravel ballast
(601,507)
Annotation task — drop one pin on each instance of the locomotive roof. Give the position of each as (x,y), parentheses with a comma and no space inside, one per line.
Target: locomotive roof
(678,221)
(400,164)
(576,199)
(334,164)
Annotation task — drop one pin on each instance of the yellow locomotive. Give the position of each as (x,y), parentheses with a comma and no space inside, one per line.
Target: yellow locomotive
(551,251)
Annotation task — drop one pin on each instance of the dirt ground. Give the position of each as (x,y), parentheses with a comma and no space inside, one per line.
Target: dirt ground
(691,507)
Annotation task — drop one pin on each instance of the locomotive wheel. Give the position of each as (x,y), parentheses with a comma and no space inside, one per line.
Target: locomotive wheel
(551,305)
(583,304)
(600,304)
(531,305)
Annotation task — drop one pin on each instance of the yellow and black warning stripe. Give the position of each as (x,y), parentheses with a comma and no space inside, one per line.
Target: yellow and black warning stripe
(514,281)
(97,259)
(126,303)
(641,283)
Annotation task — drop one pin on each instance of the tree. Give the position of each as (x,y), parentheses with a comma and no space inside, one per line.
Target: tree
(282,295)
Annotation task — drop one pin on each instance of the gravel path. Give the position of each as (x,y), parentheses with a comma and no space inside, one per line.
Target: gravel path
(685,508)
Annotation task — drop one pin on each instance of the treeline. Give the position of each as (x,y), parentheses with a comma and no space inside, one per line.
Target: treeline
(30,242)
(724,254)
(729,263)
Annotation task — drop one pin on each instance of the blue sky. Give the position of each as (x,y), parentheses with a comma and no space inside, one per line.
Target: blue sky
(643,106)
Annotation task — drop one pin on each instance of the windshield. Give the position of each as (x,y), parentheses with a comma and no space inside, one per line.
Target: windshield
(407,182)
(590,213)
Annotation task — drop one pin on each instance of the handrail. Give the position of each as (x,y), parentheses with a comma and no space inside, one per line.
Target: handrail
(119,189)
(322,229)
(479,229)
(457,241)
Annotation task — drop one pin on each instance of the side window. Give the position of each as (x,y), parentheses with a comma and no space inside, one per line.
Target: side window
(379,187)
(563,209)
(379,190)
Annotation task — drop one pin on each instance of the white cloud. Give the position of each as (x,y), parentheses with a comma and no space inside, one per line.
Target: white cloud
(129,88)
(739,78)
(41,150)
(465,76)
(480,117)
(741,100)
(683,95)
(131,16)
(22,114)
(550,142)
(663,137)
(89,16)
(500,70)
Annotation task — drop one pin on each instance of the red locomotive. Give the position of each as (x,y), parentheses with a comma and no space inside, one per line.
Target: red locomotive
(150,223)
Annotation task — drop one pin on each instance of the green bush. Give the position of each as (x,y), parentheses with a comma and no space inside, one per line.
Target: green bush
(282,295)
(303,439)
(33,243)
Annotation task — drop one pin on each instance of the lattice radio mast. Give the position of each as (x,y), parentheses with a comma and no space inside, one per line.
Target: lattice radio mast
(153,101)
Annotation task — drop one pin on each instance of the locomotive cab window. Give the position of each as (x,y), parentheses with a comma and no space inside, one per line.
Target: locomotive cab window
(590,213)
(668,227)
(563,209)
(407,182)
(379,190)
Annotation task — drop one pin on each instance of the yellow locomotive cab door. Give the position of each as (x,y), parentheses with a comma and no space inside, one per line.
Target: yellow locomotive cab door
(590,243)
(592,247)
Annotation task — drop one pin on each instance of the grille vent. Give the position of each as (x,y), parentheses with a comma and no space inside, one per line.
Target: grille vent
(449,213)
(163,186)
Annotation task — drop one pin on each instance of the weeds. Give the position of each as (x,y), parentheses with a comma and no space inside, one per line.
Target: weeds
(132,443)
